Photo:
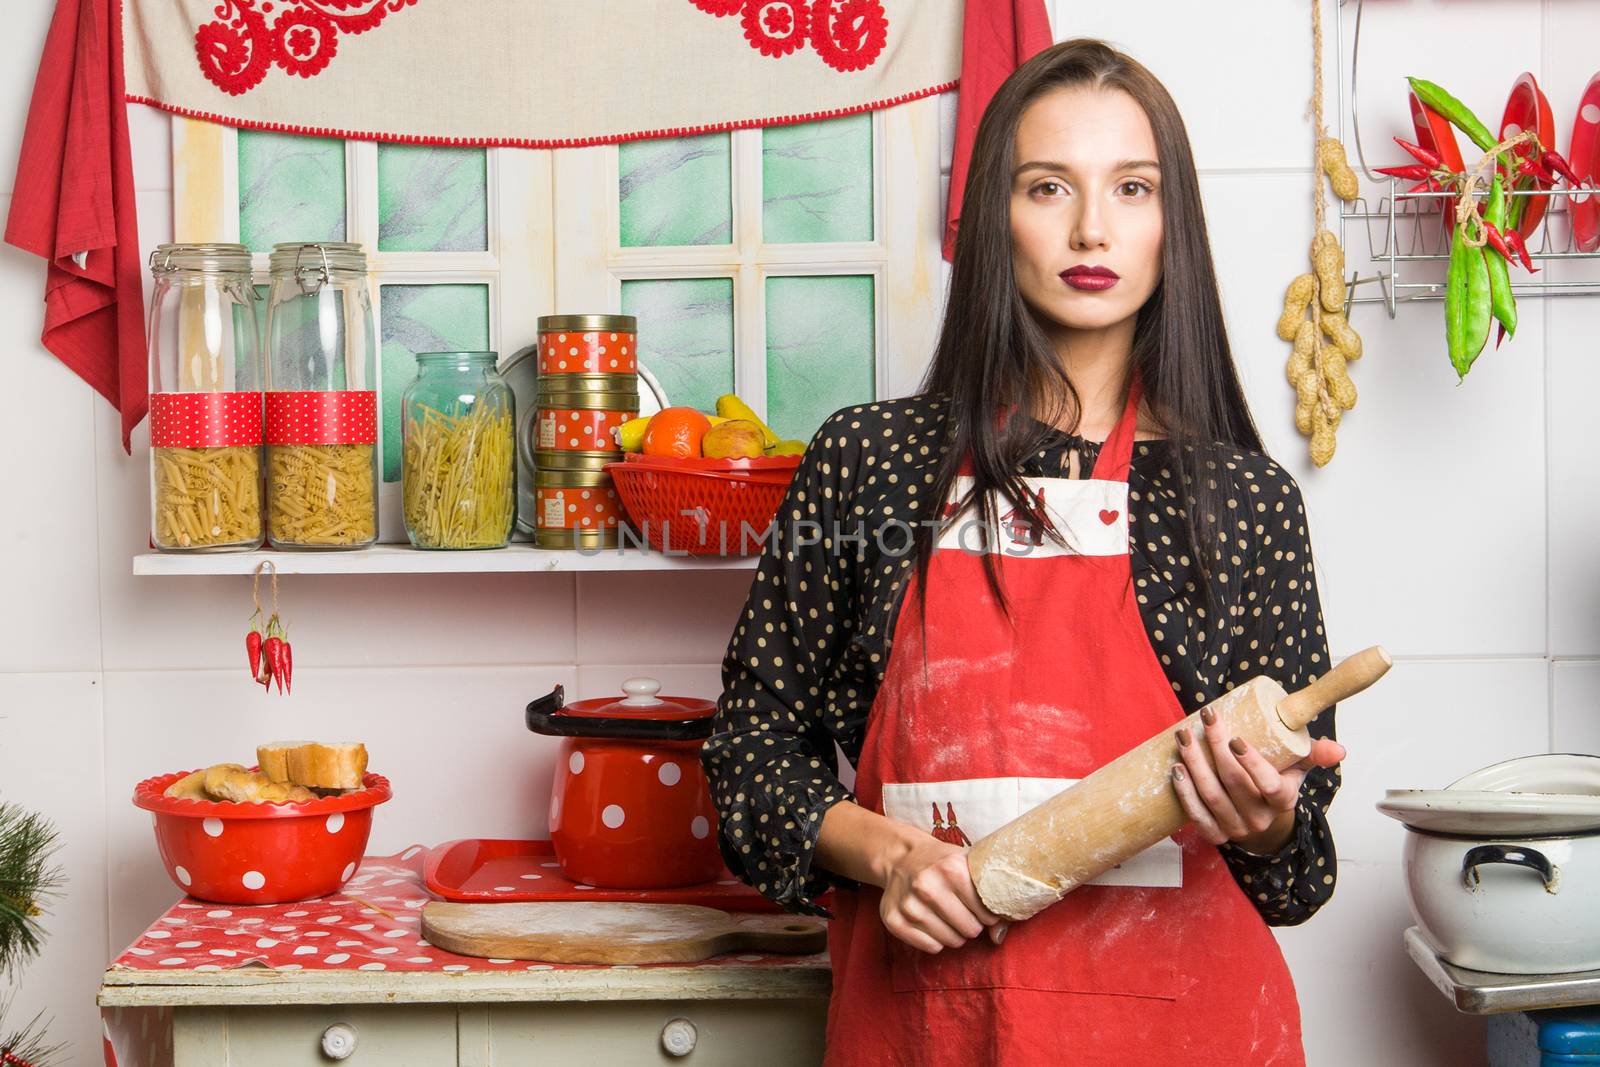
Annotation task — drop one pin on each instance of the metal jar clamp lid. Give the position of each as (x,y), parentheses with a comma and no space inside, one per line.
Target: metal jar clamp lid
(312,263)
(213,258)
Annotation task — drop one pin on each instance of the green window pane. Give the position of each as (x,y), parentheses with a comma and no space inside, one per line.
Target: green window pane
(423,318)
(685,336)
(820,340)
(432,199)
(816,181)
(290,189)
(675,191)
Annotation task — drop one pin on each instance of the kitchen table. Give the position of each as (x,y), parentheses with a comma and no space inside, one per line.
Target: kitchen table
(349,977)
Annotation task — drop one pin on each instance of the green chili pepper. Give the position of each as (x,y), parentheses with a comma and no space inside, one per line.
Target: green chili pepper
(1501,302)
(1466,303)
(1455,111)
(1459,114)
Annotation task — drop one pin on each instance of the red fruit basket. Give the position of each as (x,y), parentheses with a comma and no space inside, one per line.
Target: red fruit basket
(235,853)
(704,507)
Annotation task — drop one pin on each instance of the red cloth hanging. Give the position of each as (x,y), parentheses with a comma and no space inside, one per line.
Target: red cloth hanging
(997,37)
(73,205)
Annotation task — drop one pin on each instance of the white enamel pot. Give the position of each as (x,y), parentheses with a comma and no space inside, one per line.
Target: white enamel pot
(1503,868)
(1522,906)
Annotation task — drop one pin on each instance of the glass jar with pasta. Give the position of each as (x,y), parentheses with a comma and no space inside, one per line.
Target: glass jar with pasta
(205,400)
(322,400)
(458,470)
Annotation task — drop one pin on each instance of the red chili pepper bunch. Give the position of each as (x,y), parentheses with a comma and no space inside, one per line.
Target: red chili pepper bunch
(268,645)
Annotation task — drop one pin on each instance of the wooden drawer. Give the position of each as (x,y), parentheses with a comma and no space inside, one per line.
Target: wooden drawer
(710,1033)
(409,1035)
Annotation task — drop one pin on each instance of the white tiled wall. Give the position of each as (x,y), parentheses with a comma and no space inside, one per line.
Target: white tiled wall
(1453,527)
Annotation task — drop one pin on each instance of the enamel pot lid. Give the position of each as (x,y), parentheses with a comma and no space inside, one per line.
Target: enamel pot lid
(640,714)
(1547,795)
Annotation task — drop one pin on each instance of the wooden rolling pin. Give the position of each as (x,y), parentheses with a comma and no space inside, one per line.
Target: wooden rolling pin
(1129,804)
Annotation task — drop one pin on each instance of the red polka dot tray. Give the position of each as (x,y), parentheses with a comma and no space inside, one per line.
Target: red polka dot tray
(504,871)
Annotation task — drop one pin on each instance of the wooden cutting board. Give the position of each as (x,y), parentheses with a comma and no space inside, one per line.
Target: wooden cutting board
(611,932)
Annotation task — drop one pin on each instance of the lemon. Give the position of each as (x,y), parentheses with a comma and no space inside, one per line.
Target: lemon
(729,406)
(787,447)
(630,434)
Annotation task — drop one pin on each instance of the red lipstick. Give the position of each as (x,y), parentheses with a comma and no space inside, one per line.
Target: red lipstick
(1090,279)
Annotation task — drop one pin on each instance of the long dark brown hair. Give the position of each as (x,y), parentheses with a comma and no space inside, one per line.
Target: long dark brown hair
(993,355)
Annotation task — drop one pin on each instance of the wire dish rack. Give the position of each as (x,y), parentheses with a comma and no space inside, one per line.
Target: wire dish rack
(1406,232)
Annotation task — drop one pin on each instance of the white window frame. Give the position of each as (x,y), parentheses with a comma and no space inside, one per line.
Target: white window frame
(553,243)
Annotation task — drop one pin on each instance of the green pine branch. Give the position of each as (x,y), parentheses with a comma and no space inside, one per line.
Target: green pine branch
(27,881)
(26,1046)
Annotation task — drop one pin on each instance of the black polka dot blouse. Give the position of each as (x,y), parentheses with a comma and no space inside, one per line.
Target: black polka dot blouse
(814,638)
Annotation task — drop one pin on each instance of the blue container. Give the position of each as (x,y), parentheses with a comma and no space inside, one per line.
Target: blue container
(1569,1036)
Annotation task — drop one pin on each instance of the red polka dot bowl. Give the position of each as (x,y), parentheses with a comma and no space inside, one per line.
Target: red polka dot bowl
(231,853)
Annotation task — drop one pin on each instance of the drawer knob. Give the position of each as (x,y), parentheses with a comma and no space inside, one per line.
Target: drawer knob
(339,1041)
(678,1037)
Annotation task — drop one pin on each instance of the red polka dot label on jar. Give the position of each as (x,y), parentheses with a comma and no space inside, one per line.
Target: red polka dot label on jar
(594,352)
(577,507)
(205,420)
(322,417)
(580,429)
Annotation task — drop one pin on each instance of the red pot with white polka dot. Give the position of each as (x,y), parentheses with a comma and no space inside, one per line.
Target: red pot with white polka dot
(630,807)
(232,853)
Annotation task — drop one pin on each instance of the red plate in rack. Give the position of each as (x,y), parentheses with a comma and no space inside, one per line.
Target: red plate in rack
(1584,155)
(1527,108)
(479,870)
(1435,134)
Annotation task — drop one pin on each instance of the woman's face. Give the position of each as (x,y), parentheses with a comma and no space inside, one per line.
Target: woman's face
(1085,193)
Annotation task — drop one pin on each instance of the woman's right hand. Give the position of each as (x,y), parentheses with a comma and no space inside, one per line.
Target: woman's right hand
(929,901)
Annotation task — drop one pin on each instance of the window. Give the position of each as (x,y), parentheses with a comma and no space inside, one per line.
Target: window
(794,265)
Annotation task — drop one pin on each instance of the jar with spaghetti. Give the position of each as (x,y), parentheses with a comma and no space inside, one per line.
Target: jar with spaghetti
(205,400)
(322,399)
(459,468)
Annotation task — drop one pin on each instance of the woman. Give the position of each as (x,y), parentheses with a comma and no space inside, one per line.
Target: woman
(1100,548)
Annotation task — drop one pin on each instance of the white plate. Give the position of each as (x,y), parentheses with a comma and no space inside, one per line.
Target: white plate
(1492,813)
(1556,772)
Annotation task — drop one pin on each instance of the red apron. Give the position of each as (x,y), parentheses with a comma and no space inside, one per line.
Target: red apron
(1160,961)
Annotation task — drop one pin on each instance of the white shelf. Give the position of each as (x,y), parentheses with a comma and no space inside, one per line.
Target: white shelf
(403,559)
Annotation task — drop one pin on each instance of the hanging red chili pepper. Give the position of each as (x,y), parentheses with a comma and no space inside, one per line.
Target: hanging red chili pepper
(1514,242)
(1536,169)
(252,645)
(1426,156)
(1497,241)
(269,649)
(1552,160)
(1410,172)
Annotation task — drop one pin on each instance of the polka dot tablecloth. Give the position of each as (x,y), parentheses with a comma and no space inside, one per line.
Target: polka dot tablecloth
(331,933)
(205,420)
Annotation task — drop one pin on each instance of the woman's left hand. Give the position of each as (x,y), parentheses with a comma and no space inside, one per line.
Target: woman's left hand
(1236,795)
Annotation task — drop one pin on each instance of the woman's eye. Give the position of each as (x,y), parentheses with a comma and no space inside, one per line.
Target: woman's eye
(1042,186)
(1137,187)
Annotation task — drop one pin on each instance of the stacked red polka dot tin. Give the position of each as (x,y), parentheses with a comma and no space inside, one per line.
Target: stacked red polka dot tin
(588,387)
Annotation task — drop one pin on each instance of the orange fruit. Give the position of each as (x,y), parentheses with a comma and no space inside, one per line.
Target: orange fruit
(675,432)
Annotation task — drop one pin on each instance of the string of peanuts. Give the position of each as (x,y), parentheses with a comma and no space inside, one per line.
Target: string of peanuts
(1317,368)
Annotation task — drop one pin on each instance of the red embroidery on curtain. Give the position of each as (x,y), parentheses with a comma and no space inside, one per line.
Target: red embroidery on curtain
(237,50)
(847,34)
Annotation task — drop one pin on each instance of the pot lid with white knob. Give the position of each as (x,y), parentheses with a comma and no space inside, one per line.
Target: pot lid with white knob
(1546,795)
(641,713)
